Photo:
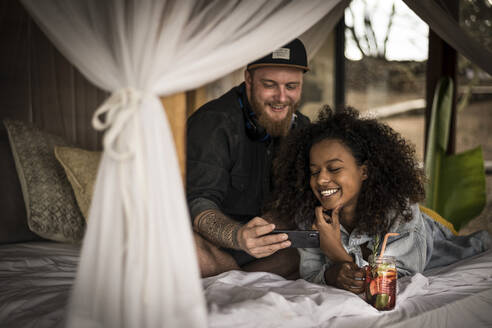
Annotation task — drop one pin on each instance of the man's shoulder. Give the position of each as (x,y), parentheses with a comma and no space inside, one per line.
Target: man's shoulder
(301,120)
(225,106)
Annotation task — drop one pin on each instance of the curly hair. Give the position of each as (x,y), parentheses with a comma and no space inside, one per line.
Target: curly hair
(394,177)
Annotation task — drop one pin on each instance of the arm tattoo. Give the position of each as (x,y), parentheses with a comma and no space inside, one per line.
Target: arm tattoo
(217,228)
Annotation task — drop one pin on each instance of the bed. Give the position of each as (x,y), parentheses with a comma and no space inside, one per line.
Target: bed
(36,279)
(36,276)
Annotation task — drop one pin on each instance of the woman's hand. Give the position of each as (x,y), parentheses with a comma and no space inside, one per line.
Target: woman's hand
(330,236)
(346,275)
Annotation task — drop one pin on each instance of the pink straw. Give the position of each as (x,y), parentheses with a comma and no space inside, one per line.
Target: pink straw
(385,241)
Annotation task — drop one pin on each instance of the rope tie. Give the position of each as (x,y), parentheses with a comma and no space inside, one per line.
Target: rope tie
(119,108)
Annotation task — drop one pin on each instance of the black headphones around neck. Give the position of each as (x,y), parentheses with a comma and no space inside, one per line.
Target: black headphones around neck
(254,130)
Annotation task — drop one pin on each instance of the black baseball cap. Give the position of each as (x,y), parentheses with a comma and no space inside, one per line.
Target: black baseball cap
(293,54)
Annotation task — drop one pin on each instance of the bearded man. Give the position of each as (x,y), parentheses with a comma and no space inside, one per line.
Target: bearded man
(231,143)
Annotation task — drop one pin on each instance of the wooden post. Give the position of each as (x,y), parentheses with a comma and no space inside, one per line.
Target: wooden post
(175,106)
(340,64)
(195,99)
(178,107)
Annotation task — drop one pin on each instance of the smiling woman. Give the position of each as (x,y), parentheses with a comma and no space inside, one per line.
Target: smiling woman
(342,159)
(356,180)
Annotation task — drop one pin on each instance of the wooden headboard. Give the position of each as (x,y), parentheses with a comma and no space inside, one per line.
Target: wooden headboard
(38,85)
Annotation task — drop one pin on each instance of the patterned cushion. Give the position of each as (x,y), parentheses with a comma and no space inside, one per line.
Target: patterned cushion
(13,220)
(52,211)
(81,168)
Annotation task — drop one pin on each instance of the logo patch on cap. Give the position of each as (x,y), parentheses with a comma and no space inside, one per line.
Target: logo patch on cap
(281,53)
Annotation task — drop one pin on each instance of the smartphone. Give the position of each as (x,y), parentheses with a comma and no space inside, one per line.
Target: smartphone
(301,238)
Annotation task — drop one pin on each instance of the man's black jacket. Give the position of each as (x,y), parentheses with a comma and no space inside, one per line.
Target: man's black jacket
(226,169)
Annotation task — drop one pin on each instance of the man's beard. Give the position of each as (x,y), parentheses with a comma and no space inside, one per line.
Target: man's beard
(274,128)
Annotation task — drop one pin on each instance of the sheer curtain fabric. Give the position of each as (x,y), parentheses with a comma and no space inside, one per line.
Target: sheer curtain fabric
(138,265)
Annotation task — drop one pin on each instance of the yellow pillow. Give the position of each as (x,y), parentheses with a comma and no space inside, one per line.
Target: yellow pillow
(81,169)
(436,217)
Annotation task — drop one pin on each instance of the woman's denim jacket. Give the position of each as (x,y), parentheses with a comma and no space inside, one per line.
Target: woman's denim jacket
(421,243)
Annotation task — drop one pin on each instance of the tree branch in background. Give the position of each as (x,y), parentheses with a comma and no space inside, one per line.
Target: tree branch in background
(351,29)
(388,29)
(367,26)
(371,35)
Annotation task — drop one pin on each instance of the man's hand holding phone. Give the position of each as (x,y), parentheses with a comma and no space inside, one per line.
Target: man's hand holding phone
(255,238)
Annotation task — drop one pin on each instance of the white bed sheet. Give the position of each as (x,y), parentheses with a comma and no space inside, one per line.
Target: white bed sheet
(35,282)
(459,295)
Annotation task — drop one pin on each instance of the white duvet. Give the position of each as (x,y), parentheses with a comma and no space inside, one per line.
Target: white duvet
(459,295)
(35,281)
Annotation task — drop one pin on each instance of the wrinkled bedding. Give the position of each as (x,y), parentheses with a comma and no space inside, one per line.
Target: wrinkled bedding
(36,277)
(458,295)
(35,283)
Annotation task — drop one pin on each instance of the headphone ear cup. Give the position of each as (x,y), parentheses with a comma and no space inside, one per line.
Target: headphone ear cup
(254,130)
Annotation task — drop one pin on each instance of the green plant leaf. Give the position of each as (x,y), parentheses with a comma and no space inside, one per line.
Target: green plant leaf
(462,191)
(437,140)
(456,183)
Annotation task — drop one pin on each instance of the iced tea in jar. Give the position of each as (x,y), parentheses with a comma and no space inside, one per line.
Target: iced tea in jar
(381,278)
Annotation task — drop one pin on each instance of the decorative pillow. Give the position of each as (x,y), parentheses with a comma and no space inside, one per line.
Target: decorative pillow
(13,220)
(52,211)
(81,168)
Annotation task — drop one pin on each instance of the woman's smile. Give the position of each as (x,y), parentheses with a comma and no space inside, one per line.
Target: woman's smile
(335,176)
(329,192)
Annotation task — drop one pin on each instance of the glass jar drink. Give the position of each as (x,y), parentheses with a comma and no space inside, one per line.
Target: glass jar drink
(381,278)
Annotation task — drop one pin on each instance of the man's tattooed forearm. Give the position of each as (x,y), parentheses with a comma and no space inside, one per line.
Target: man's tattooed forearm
(218,228)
